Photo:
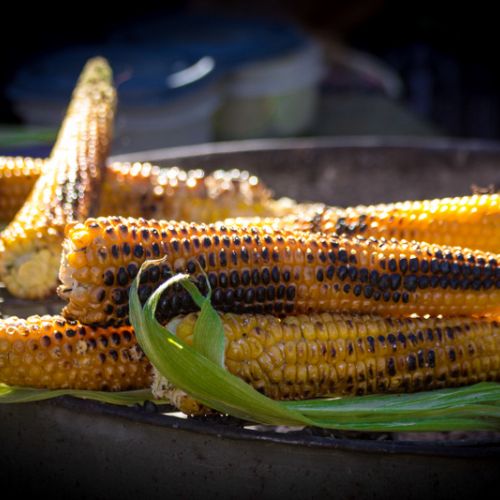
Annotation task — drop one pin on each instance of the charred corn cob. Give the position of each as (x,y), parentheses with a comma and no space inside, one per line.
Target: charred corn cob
(254,269)
(66,191)
(469,221)
(300,357)
(54,353)
(17,178)
(145,190)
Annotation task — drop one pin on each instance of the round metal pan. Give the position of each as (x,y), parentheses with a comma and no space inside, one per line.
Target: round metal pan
(82,449)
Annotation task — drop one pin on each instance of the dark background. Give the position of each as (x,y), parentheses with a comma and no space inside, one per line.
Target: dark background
(446,53)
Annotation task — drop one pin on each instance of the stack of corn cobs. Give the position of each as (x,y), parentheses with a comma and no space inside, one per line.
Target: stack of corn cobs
(315,301)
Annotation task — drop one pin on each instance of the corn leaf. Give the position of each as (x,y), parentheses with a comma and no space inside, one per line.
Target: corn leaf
(9,394)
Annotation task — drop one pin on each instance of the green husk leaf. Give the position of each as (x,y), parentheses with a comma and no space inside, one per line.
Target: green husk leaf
(11,394)
(197,371)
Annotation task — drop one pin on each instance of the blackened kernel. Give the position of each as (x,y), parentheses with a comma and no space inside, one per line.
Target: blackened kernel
(103,341)
(280,292)
(265,254)
(239,294)
(377,295)
(270,292)
(223,280)
(357,290)
(386,296)
(234,279)
(405,298)
(229,297)
(374,277)
(244,254)
(403,264)
(322,256)
(353,273)
(444,267)
(391,367)
(101,294)
(411,362)
(343,256)
(58,336)
(109,278)
(218,296)
(108,309)
(132,270)
(247,238)
(275,274)
(332,256)
(207,242)
(234,257)
(364,275)
(290,292)
(434,281)
(202,261)
(211,259)
(226,241)
(216,240)
(342,272)
(384,282)
(424,266)
(186,244)
(212,280)
(395,280)
(410,283)
(368,291)
(423,282)
(320,275)
(250,296)
(413,265)
(435,268)
(223,258)
(70,332)
(420,358)
(144,293)
(286,276)
(245,277)
(119,296)
(289,308)
(330,272)
(191,267)
(196,242)
(260,294)
(275,256)
(309,256)
(255,277)
(138,251)
(278,308)
(392,265)
(396,296)
(102,357)
(346,288)
(452,354)
(371,343)
(487,284)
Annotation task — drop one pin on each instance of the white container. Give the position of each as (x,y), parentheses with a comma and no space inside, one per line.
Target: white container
(276,97)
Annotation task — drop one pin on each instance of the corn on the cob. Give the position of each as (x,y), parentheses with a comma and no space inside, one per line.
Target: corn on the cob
(17,178)
(468,221)
(54,353)
(300,357)
(65,192)
(254,269)
(145,190)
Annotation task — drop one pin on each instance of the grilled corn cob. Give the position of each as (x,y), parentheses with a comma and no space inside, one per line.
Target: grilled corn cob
(469,221)
(17,178)
(65,192)
(300,357)
(254,269)
(54,353)
(145,190)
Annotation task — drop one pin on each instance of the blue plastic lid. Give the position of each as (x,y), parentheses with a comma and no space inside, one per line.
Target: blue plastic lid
(230,40)
(143,73)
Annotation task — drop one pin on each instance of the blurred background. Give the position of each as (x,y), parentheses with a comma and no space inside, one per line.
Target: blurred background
(199,71)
